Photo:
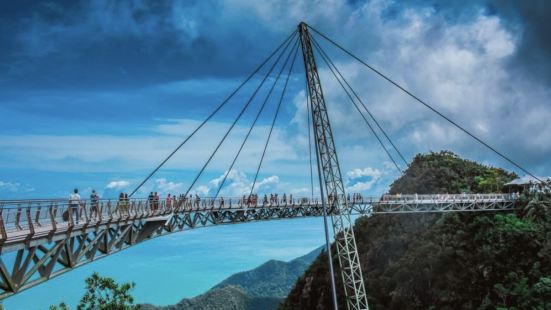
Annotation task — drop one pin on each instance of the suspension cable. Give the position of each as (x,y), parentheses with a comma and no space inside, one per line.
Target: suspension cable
(479,140)
(274,120)
(309,139)
(213,112)
(360,101)
(361,113)
(254,123)
(237,118)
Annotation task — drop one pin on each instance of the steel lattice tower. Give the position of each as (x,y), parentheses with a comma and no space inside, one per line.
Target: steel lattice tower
(349,261)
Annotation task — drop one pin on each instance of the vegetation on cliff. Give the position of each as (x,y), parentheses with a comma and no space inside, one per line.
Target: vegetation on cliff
(445,172)
(450,261)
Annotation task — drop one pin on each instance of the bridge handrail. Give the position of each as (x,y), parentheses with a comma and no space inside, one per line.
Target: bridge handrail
(30,215)
(448,197)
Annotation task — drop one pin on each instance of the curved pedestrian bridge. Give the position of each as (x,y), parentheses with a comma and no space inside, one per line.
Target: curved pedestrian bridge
(41,239)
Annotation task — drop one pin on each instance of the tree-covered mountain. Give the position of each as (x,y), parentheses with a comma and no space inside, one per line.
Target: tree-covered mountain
(226,298)
(445,172)
(448,261)
(273,278)
(263,287)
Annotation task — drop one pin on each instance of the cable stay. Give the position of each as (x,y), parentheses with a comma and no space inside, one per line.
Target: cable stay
(274,120)
(254,123)
(237,119)
(320,49)
(216,110)
(479,140)
(323,56)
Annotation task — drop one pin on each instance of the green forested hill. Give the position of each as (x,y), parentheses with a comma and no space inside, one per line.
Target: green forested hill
(228,297)
(445,172)
(273,278)
(452,261)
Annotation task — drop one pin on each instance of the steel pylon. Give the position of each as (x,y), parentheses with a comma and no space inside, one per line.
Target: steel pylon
(347,252)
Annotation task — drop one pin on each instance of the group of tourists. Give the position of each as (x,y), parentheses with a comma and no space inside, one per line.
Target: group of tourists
(123,204)
(74,205)
(356,197)
(252,200)
(173,201)
(153,201)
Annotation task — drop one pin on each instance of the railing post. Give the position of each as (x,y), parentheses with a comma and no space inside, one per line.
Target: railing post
(110,211)
(52,217)
(37,216)
(99,212)
(2,226)
(30,221)
(86,219)
(70,214)
(18,218)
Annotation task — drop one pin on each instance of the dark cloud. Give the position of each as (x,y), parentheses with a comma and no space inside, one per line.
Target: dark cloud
(531,19)
(67,44)
(104,43)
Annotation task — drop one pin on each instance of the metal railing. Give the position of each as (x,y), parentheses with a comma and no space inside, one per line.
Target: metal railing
(37,214)
(443,198)
(40,214)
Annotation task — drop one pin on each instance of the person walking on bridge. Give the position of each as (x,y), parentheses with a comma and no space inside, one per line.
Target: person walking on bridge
(94,204)
(156,199)
(120,204)
(74,201)
(150,199)
(126,204)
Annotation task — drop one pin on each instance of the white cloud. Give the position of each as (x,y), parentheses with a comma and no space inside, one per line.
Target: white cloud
(360,187)
(9,186)
(164,186)
(366,172)
(362,180)
(131,152)
(120,184)
(237,184)
(202,190)
(269,182)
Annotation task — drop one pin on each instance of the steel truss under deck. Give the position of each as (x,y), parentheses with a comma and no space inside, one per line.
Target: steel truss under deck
(49,242)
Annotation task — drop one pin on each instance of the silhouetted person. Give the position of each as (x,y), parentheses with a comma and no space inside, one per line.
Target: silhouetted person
(150,200)
(74,201)
(120,204)
(94,204)
(126,204)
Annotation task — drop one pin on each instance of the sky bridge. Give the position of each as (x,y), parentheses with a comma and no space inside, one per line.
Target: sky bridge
(50,241)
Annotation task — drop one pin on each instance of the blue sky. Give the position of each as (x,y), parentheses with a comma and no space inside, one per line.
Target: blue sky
(94,94)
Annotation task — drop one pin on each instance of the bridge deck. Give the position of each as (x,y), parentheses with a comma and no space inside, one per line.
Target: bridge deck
(30,222)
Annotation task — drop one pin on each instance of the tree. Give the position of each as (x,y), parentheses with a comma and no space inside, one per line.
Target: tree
(103,293)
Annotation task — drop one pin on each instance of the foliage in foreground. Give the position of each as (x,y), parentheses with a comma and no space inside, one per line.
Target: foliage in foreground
(103,293)
(453,261)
